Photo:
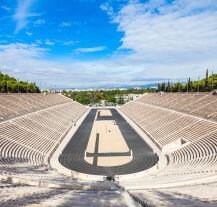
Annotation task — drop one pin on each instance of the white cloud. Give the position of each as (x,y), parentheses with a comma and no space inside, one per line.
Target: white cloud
(63,72)
(89,49)
(65,24)
(165,41)
(19,50)
(3,41)
(23,13)
(107,8)
(115,71)
(29,33)
(49,42)
(39,22)
(38,42)
(170,33)
(178,36)
(6,8)
(69,43)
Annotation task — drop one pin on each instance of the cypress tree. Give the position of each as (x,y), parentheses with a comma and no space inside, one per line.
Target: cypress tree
(189,85)
(206,80)
(168,86)
(159,86)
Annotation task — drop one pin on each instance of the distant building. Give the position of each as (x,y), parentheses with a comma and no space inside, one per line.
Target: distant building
(103,102)
(133,97)
(122,98)
(127,97)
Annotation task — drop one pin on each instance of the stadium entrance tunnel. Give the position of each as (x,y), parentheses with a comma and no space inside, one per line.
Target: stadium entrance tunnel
(105,144)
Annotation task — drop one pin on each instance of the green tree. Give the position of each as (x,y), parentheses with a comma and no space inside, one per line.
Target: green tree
(11,85)
(207,77)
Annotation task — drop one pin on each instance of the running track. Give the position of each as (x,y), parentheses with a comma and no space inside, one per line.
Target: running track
(72,156)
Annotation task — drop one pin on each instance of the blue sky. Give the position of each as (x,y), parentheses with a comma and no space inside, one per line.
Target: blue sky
(95,43)
(61,26)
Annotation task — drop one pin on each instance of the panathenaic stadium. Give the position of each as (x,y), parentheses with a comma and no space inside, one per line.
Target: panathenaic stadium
(158,150)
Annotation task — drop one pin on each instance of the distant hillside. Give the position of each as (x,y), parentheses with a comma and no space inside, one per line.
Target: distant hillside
(9,84)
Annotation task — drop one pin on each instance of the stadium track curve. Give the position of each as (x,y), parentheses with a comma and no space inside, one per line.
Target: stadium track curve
(72,156)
